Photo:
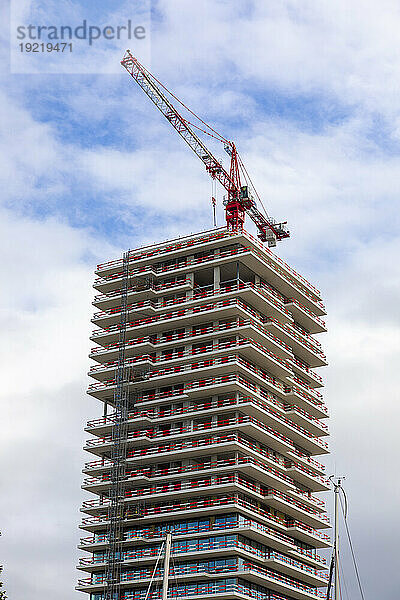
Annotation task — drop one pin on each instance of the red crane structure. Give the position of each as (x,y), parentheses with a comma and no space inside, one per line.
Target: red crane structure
(240,199)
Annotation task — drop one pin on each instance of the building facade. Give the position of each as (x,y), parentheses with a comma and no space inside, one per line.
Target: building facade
(205,364)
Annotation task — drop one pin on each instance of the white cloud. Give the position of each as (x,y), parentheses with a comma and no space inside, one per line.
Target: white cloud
(346,48)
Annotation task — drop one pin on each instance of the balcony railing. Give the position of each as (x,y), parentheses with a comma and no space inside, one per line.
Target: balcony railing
(195,443)
(210,294)
(199,590)
(150,473)
(160,287)
(190,569)
(199,294)
(155,251)
(289,499)
(162,413)
(163,249)
(231,345)
(211,362)
(191,528)
(228,501)
(276,263)
(180,263)
(221,424)
(299,335)
(204,545)
(204,308)
(303,367)
(306,310)
(275,383)
(208,481)
(207,442)
(182,337)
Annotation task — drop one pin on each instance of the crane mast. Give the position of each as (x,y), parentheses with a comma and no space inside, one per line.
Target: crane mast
(240,199)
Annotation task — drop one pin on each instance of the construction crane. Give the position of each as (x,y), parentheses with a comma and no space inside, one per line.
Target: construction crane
(240,198)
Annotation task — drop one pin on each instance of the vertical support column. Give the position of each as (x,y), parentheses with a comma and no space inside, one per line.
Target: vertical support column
(190,276)
(217,277)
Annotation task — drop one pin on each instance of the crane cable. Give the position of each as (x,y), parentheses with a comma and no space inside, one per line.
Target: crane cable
(247,178)
(217,135)
(214,135)
(344,511)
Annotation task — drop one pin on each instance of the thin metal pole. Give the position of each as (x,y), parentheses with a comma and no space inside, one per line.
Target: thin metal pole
(214,203)
(336,547)
(166,565)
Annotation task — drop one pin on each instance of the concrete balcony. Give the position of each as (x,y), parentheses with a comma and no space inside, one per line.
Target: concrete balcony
(296,394)
(309,535)
(306,317)
(212,549)
(247,465)
(110,303)
(210,506)
(306,477)
(247,425)
(218,366)
(189,449)
(246,327)
(225,483)
(213,589)
(258,406)
(307,461)
(251,529)
(169,250)
(180,267)
(274,269)
(194,448)
(225,309)
(256,296)
(304,346)
(314,426)
(293,508)
(293,379)
(259,410)
(248,348)
(261,298)
(247,571)
(309,375)
(254,530)
(184,373)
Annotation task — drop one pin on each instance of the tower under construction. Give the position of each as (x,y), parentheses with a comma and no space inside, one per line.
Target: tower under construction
(205,363)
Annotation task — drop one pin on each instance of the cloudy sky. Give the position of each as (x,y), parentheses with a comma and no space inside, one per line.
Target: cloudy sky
(309,90)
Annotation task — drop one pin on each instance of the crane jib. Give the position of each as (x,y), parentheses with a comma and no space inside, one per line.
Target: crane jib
(238,202)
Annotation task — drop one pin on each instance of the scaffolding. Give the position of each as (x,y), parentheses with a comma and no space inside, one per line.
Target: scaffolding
(118,453)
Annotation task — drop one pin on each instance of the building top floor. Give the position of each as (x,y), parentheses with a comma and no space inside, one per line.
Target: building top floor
(198,250)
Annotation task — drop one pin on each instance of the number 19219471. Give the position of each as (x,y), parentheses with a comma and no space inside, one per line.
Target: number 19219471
(42,47)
